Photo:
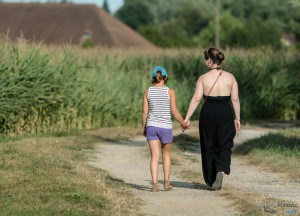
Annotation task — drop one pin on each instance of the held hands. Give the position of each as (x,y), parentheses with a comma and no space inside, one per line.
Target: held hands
(185,126)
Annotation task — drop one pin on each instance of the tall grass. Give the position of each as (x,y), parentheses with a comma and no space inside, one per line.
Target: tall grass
(64,88)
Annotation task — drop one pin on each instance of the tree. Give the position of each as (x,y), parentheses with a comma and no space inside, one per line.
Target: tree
(135,14)
(105,6)
(243,23)
(65,1)
(154,34)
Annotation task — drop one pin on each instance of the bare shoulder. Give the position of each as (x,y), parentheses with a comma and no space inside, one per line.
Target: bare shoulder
(146,92)
(201,78)
(228,74)
(171,92)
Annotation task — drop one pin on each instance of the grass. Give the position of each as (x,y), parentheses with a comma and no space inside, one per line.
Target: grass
(52,88)
(279,152)
(49,176)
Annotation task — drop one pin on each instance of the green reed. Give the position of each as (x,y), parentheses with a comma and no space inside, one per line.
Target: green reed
(64,88)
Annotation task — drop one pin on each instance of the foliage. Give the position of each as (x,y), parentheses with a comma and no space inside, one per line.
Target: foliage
(155,35)
(87,43)
(105,6)
(135,14)
(64,89)
(186,23)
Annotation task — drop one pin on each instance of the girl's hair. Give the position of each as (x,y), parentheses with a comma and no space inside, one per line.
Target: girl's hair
(215,55)
(159,77)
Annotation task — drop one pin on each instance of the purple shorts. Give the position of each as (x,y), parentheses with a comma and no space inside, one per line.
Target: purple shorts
(155,133)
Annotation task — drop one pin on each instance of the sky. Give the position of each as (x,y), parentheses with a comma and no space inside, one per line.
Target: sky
(114,5)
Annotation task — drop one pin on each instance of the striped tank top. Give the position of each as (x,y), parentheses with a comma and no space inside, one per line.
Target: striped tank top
(159,107)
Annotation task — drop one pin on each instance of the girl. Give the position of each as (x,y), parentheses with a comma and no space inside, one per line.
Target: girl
(157,124)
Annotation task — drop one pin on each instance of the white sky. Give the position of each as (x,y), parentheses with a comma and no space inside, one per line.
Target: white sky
(113,4)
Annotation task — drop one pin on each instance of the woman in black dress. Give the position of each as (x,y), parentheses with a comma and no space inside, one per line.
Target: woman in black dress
(219,118)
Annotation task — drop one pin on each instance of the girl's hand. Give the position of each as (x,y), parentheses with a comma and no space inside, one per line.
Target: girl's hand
(184,127)
(237,124)
(144,132)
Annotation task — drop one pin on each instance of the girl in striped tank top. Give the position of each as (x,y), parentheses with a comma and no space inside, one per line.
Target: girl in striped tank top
(158,103)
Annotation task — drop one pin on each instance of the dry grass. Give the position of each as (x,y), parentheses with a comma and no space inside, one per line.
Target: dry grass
(278,152)
(115,133)
(49,176)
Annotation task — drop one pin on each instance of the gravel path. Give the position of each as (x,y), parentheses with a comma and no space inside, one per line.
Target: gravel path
(127,160)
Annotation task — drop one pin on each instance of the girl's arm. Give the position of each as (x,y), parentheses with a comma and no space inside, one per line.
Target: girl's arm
(195,99)
(236,104)
(144,112)
(175,111)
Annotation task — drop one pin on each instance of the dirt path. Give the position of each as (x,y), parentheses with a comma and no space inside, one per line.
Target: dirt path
(127,160)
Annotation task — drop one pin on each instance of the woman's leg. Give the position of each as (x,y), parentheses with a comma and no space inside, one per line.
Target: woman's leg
(166,155)
(154,146)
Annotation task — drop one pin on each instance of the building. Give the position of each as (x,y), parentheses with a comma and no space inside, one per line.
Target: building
(67,23)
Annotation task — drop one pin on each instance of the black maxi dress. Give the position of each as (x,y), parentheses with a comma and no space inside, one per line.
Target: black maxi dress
(217,130)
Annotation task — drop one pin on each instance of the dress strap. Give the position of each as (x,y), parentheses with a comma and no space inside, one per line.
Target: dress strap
(212,87)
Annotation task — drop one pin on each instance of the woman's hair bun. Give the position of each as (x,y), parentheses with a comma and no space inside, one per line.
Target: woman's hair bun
(220,57)
(215,55)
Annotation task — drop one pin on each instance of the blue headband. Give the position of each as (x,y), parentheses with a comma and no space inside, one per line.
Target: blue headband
(159,68)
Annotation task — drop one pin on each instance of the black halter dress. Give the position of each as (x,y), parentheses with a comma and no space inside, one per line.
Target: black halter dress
(217,130)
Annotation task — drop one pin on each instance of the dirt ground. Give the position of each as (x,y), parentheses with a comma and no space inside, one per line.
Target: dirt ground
(127,160)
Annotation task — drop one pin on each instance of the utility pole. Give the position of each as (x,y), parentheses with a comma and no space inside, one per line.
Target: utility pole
(217,35)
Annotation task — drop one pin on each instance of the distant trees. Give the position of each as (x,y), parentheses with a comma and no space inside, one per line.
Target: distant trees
(135,14)
(186,23)
(105,6)
(65,1)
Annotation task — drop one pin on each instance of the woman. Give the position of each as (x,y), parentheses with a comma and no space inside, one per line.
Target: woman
(218,123)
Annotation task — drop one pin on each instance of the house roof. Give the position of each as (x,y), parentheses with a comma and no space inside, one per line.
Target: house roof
(66,23)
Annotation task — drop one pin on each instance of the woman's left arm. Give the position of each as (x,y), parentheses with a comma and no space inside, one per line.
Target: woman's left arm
(195,99)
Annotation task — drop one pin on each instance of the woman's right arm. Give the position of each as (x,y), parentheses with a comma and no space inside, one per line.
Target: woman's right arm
(236,104)
(144,112)
(195,99)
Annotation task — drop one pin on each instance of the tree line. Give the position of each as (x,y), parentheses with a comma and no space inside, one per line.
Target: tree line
(190,23)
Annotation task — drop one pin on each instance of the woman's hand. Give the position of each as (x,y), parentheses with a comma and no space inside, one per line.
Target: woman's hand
(188,122)
(186,125)
(237,124)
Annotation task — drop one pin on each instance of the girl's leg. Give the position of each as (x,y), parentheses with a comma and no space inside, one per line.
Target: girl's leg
(154,150)
(166,155)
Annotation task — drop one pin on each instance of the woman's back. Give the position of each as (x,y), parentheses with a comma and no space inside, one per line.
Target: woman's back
(223,86)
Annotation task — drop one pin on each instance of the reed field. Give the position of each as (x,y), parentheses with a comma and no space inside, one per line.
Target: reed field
(63,88)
